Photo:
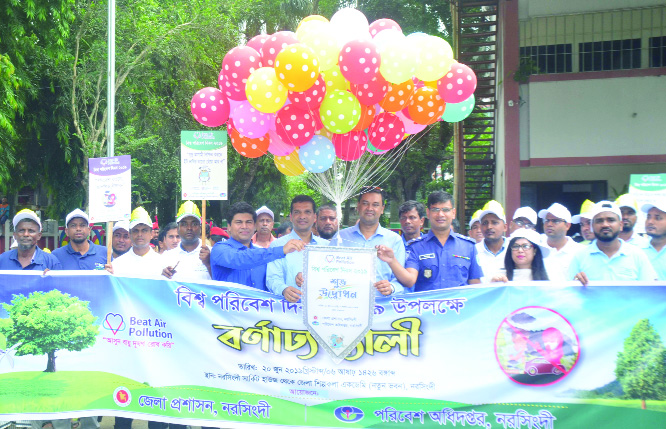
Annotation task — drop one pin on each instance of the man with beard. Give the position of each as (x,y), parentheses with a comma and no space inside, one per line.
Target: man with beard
(189,261)
(609,257)
(327,222)
(556,223)
(120,240)
(27,256)
(490,252)
(80,253)
(655,226)
(629,208)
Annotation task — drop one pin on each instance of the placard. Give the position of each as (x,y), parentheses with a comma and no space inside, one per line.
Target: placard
(110,188)
(646,188)
(203,165)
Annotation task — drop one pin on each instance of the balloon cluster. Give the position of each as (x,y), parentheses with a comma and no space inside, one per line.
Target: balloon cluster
(335,88)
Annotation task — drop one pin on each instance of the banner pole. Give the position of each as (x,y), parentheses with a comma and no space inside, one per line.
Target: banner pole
(109,241)
(203,222)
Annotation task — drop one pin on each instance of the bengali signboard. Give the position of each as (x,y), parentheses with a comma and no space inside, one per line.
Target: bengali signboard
(110,188)
(646,188)
(539,355)
(339,296)
(203,165)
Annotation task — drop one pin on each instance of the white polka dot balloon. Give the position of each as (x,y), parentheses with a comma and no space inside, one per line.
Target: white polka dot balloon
(210,107)
(317,155)
(359,61)
(458,84)
(294,126)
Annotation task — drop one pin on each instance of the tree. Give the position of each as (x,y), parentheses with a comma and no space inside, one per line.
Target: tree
(641,365)
(46,322)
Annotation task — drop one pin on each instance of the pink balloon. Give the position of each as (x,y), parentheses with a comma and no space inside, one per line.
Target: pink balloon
(277,147)
(458,84)
(350,146)
(210,107)
(371,92)
(386,131)
(249,122)
(383,24)
(295,126)
(230,91)
(359,61)
(411,127)
(275,44)
(239,63)
(311,98)
(257,42)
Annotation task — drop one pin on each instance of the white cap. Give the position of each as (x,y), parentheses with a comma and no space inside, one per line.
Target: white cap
(533,237)
(557,210)
(121,224)
(605,206)
(264,209)
(526,212)
(493,207)
(659,205)
(77,213)
(26,214)
(475,218)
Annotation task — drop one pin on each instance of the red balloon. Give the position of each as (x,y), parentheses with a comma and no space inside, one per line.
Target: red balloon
(210,107)
(257,42)
(311,98)
(386,131)
(371,92)
(230,91)
(359,61)
(275,44)
(239,63)
(383,24)
(458,84)
(350,146)
(295,126)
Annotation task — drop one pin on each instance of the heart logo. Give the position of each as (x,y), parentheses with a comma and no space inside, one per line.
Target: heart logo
(114,322)
(329,258)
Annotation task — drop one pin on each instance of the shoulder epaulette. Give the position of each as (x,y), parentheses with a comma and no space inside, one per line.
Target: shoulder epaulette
(464,237)
(414,240)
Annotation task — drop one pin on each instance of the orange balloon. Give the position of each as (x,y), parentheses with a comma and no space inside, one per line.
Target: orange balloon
(398,96)
(367,115)
(249,148)
(426,106)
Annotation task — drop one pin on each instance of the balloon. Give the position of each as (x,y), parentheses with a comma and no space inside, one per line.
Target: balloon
(398,60)
(398,96)
(210,107)
(264,91)
(289,165)
(372,92)
(294,126)
(297,67)
(257,42)
(426,106)
(230,91)
(249,148)
(317,155)
(350,24)
(239,63)
(319,125)
(458,84)
(340,111)
(311,98)
(383,24)
(359,61)
(411,127)
(456,112)
(311,18)
(334,79)
(386,131)
(367,115)
(276,43)
(321,37)
(249,122)
(350,146)
(277,146)
(435,58)
(387,38)
(326,133)
(373,150)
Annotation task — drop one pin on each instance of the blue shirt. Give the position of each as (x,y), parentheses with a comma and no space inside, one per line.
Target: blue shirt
(70,259)
(231,261)
(40,261)
(628,263)
(352,237)
(441,267)
(657,259)
(282,272)
(405,241)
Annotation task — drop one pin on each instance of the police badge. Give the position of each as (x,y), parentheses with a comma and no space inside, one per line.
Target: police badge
(427,273)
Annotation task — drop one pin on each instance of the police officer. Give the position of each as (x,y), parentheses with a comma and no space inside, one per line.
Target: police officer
(439,259)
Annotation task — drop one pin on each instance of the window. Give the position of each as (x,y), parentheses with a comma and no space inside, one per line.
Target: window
(610,55)
(548,58)
(658,51)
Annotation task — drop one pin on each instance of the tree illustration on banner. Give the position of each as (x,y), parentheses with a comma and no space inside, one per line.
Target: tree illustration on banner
(46,322)
(641,365)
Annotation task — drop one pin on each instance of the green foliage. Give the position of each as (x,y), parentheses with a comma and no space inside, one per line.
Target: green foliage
(45,322)
(641,365)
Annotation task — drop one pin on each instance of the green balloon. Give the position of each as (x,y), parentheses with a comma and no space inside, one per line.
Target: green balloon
(340,111)
(456,112)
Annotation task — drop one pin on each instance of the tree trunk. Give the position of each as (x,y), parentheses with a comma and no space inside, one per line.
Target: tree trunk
(51,364)
(643,405)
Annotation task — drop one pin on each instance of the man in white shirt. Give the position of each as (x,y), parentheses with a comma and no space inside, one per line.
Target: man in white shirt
(629,208)
(491,251)
(189,261)
(140,260)
(556,222)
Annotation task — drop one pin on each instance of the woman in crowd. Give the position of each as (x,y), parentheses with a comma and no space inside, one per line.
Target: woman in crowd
(524,258)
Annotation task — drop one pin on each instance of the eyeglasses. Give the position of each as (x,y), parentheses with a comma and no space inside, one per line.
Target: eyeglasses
(444,210)
(525,225)
(553,221)
(526,246)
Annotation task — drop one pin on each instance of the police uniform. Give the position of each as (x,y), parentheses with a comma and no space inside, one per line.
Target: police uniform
(445,266)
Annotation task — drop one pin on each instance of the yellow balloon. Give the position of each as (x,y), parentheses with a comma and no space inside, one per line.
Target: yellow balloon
(310,18)
(297,67)
(264,91)
(321,37)
(289,165)
(334,79)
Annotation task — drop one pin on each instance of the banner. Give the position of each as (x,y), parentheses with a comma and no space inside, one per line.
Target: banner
(646,188)
(203,165)
(110,188)
(539,355)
